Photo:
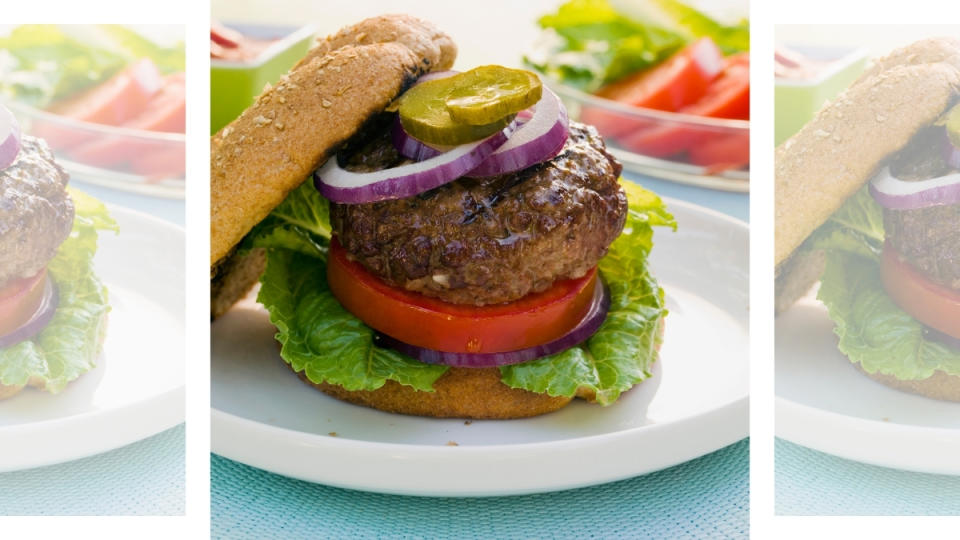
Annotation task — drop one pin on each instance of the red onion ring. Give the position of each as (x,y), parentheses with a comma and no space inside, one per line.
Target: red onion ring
(342,186)
(588,326)
(538,140)
(409,146)
(41,318)
(9,138)
(895,194)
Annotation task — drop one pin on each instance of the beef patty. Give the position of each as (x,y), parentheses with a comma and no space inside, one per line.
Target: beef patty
(490,240)
(36,214)
(929,239)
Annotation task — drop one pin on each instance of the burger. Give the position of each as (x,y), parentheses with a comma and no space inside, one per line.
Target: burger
(430,242)
(868,203)
(53,307)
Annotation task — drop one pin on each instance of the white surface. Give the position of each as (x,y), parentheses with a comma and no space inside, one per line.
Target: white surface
(878,39)
(137,388)
(825,403)
(695,403)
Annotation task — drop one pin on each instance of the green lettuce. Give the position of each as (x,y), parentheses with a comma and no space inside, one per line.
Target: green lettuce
(40,64)
(590,43)
(321,339)
(71,342)
(872,330)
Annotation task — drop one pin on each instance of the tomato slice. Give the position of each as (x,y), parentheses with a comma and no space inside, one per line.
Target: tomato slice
(20,300)
(433,324)
(932,304)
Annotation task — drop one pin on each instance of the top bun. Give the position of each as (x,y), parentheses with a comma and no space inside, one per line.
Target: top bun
(293,127)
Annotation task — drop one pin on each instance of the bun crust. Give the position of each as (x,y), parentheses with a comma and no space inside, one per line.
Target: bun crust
(459,393)
(291,129)
(838,151)
(939,386)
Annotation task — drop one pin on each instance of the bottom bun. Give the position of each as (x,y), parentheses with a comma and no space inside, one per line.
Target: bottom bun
(939,386)
(458,393)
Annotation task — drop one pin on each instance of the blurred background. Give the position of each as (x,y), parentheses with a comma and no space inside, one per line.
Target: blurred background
(665,82)
(110,100)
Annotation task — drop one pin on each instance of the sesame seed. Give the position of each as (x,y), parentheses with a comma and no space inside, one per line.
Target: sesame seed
(326,103)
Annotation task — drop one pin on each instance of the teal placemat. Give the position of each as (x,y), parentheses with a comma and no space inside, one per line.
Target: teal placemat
(144,478)
(704,498)
(813,483)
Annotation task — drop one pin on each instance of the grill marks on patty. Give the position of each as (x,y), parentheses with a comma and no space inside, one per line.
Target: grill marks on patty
(929,239)
(36,214)
(491,240)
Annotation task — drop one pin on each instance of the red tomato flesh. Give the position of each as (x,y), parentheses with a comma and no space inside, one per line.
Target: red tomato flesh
(433,324)
(19,301)
(932,304)
(679,81)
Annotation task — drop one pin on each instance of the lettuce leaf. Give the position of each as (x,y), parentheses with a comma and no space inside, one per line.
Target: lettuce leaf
(71,342)
(328,344)
(590,43)
(873,331)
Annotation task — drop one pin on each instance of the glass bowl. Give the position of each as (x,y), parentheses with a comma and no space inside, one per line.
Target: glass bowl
(146,162)
(696,150)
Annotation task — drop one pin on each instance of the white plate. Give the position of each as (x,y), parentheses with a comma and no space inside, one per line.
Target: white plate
(695,403)
(825,403)
(137,388)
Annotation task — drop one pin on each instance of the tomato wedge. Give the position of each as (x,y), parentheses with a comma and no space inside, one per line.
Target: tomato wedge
(930,303)
(727,97)
(433,324)
(679,81)
(19,301)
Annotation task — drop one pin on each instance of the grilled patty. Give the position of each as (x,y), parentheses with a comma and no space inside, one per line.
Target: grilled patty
(36,214)
(491,240)
(929,239)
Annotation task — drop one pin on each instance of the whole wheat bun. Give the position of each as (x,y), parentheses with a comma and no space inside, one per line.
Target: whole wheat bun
(293,127)
(939,386)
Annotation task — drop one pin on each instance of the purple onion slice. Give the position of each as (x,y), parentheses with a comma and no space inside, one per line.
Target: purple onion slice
(41,318)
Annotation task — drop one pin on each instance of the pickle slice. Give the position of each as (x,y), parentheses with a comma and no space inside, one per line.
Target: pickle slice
(952,122)
(468,106)
(491,92)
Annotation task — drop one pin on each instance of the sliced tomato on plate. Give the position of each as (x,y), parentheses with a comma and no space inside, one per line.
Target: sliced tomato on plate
(433,324)
(932,304)
(120,99)
(679,81)
(19,301)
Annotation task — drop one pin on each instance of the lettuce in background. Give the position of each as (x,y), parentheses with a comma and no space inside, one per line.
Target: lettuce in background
(590,43)
(40,64)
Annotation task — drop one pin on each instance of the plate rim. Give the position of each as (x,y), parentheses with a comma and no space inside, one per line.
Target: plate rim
(834,433)
(171,402)
(287,439)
